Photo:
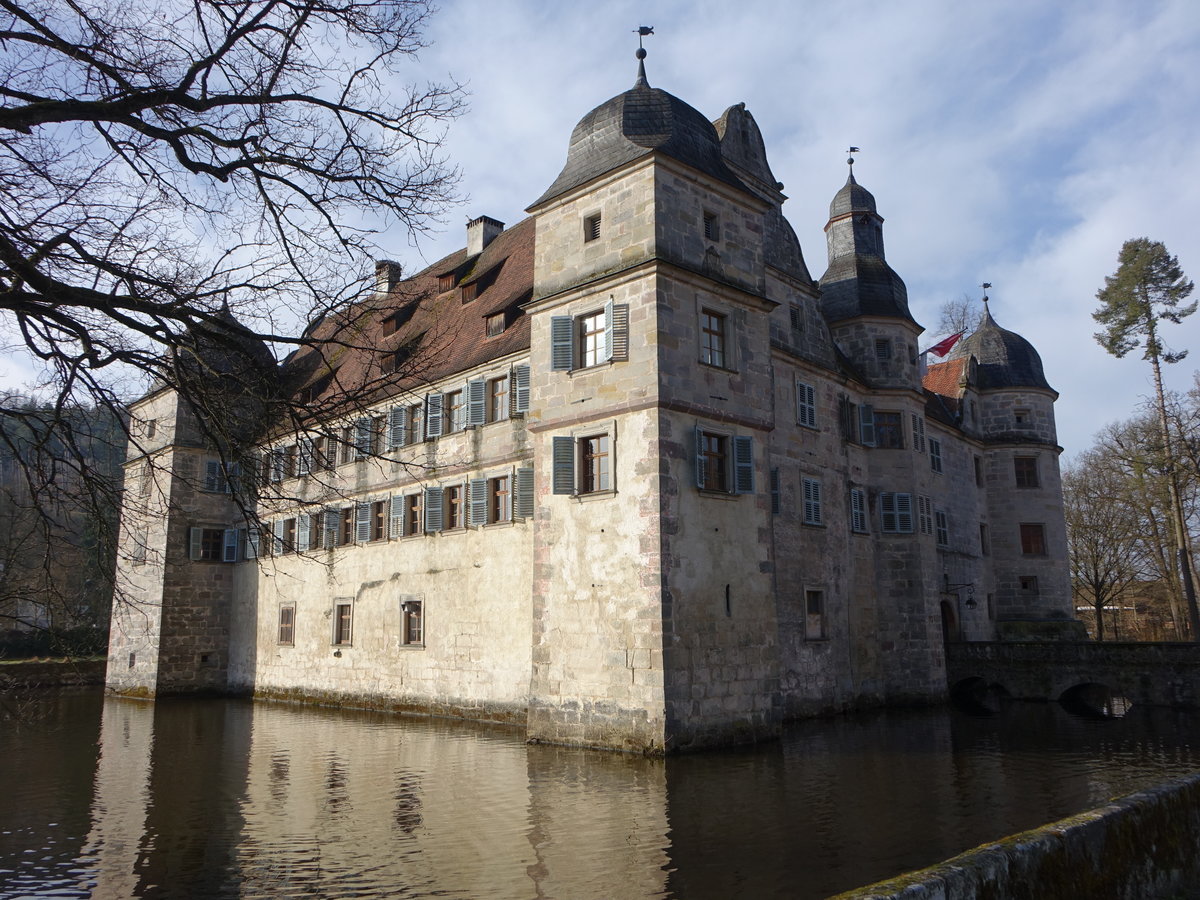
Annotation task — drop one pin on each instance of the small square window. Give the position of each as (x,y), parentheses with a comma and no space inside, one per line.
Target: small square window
(1021,417)
(591,227)
(1029,584)
(712,338)
(412,623)
(1033,539)
(1026,471)
(712,229)
(287,625)
(883,349)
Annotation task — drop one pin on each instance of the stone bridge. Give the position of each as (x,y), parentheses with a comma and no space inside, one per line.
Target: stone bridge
(1154,674)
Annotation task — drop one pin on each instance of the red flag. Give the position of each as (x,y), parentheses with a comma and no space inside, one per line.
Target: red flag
(942,347)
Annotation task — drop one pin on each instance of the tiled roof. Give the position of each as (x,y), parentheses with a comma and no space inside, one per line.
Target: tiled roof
(443,334)
(944,377)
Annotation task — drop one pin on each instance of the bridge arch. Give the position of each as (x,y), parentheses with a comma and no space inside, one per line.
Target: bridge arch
(1094,699)
(978,696)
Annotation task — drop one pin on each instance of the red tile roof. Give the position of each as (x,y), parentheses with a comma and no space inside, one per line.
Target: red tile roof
(944,377)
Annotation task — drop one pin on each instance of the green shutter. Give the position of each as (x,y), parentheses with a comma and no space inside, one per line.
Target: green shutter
(563,468)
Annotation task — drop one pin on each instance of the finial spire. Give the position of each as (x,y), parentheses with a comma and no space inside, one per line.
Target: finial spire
(642,31)
(850,161)
(985,286)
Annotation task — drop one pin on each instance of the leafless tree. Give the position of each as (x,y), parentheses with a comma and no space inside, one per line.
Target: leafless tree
(963,314)
(184,183)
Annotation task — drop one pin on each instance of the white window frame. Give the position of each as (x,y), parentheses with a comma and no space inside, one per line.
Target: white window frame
(566,347)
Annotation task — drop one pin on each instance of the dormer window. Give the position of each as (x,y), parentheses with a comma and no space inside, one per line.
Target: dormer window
(470,291)
(494,324)
(445,282)
(591,227)
(712,227)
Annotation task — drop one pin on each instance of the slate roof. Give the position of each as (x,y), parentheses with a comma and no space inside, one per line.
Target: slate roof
(862,284)
(943,394)
(1006,360)
(853,197)
(631,125)
(444,335)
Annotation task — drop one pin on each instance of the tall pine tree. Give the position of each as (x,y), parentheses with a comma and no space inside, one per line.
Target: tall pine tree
(1147,289)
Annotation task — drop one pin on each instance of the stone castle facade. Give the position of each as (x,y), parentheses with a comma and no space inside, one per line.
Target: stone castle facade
(639,481)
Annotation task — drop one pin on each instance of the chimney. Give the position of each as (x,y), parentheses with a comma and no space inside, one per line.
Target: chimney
(480,233)
(387,275)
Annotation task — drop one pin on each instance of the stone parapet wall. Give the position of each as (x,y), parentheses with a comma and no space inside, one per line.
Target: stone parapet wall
(1144,845)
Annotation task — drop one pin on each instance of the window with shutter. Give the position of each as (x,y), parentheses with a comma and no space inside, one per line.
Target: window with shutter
(776,493)
(520,379)
(935,455)
(434,510)
(476,402)
(943,529)
(592,342)
(743,464)
(523,500)
(278,463)
(253,542)
(454,412)
(895,513)
(396,516)
(362,437)
(333,521)
(806,405)
(563,465)
(918,427)
(562,343)
(498,399)
(303,534)
(866,425)
(433,415)
(413,516)
(452,497)
(499,499)
(924,514)
(858,510)
(397,426)
(478,501)
(712,461)
(812,501)
(362,522)
(214,481)
(278,532)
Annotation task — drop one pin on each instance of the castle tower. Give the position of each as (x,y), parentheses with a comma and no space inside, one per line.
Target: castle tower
(1015,422)
(180,516)
(651,402)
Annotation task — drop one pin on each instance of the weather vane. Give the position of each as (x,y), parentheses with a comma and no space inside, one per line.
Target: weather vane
(850,157)
(642,31)
(985,286)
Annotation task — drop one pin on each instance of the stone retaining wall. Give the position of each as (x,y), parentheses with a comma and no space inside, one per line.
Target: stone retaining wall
(51,674)
(1144,845)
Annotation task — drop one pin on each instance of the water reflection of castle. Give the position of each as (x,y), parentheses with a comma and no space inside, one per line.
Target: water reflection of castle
(669,491)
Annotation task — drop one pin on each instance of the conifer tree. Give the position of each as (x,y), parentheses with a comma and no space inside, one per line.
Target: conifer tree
(1149,287)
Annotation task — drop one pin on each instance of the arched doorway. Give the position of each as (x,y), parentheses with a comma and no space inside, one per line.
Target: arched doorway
(950,629)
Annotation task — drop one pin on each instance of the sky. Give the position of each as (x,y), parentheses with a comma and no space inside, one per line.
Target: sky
(1018,143)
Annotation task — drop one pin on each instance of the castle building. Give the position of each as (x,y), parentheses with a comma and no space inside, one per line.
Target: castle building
(638,480)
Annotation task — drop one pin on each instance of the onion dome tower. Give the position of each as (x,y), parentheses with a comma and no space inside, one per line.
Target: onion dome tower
(862,298)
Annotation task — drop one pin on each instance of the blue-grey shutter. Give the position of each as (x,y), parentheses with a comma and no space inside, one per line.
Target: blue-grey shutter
(866,425)
(563,465)
(477,501)
(858,510)
(195,542)
(562,343)
(699,457)
(476,407)
(523,491)
(520,381)
(397,426)
(904,519)
(743,464)
(278,463)
(253,542)
(303,533)
(776,493)
(362,522)
(333,523)
(229,547)
(433,509)
(918,427)
(616,331)
(304,456)
(278,531)
(362,437)
(887,513)
(433,415)
(396,516)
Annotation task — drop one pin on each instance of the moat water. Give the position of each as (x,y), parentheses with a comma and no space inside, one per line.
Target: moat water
(112,799)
